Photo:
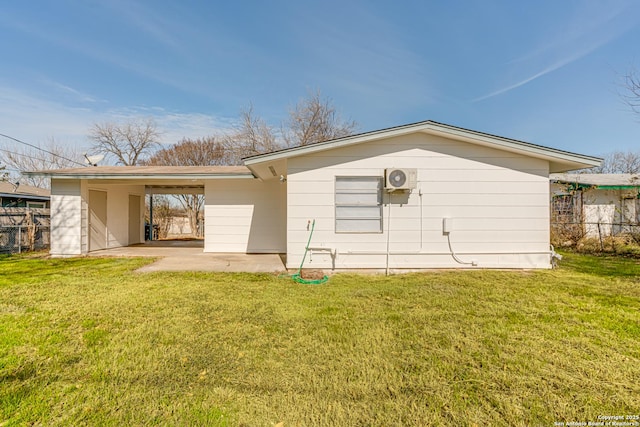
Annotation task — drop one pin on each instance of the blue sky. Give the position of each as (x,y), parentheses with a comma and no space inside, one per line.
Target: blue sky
(547,72)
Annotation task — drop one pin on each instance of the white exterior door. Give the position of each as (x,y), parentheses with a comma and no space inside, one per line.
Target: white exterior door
(97,220)
(134,219)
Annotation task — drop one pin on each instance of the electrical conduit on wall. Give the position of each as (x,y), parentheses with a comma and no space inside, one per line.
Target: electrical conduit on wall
(447,227)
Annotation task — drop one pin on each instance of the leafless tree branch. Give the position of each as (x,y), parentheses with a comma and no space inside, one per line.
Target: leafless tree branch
(315,119)
(56,156)
(619,162)
(128,143)
(631,84)
(251,136)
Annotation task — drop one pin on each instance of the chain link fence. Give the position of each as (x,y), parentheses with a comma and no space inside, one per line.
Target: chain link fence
(22,238)
(595,236)
(24,229)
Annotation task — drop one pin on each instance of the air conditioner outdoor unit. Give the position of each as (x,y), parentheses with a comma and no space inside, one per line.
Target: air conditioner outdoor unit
(400,179)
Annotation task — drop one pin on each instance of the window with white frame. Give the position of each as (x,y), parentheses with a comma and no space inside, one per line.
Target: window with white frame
(358,204)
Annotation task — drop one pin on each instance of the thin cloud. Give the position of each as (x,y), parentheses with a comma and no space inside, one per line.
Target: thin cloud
(148,21)
(70,125)
(68,90)
(99,52)
(577,42)
(549,69)
(387,71)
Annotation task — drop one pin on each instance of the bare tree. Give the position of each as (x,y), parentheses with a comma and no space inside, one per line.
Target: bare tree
(618,162)
(206,151)
(624,161)
(128,143)
(251,136)
(631,85)
(315,119)
(162,215)
(52,156)
(199,152)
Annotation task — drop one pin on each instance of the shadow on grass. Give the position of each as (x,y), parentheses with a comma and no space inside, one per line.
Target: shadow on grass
(601,265)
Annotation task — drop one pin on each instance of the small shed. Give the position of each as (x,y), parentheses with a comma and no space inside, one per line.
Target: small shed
(602,204)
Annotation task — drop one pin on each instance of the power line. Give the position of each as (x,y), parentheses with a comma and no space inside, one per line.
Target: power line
(4,172)
(2,169)
(41,149)
(15,153)
(23,155)
(8,170)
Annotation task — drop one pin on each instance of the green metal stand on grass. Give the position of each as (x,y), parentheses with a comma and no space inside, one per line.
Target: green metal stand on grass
(297,277)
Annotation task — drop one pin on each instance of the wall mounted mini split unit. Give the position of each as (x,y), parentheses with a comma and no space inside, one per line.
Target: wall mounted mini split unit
(400,179)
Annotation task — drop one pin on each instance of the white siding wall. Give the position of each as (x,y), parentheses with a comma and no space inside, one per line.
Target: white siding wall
(118,212)
(498,202)
(245,215)
(69,215)
(68,233)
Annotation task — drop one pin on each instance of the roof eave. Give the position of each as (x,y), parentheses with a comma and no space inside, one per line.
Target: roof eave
(24,196)
(133,177)
(571,161)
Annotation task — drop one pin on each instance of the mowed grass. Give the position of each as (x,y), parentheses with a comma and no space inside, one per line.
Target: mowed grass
(90,342)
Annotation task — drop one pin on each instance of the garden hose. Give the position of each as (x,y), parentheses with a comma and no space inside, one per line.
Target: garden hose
(297,276)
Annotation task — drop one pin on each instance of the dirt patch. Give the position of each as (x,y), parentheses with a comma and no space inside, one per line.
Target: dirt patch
(309,274)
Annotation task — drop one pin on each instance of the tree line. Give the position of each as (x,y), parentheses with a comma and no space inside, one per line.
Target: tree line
(137,141)
(313,119)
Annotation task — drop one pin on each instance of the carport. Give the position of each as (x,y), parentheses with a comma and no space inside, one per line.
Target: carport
(98,208)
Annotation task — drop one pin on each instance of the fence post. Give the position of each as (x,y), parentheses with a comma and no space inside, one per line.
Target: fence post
(600,237)
(19,239)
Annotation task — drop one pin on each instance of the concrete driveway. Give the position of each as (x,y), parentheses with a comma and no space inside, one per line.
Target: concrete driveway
(188,255)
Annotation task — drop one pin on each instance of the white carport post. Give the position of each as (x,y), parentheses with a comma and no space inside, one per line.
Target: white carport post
(150,236)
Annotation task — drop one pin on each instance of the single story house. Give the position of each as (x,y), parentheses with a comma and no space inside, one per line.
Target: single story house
(17,195)
(603,204)
(422,195)
(21,205)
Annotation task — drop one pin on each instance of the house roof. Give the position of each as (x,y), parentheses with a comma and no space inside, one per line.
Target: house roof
(147,172)
(600,180)
(271,165)
(559,160)
(9,189)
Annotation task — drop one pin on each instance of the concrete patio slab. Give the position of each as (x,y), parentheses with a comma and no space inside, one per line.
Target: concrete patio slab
(188,256)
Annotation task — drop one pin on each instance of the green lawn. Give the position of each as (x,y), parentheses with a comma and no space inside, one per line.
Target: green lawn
(89,341)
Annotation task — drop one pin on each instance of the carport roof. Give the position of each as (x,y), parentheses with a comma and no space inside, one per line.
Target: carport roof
(600,180)
(147,172)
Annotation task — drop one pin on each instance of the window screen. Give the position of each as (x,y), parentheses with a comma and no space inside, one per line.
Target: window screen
(358,204)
